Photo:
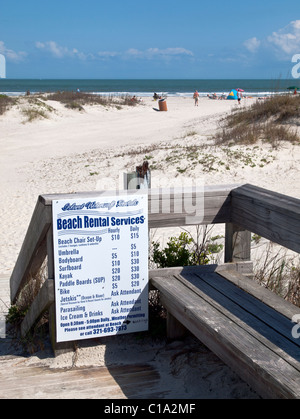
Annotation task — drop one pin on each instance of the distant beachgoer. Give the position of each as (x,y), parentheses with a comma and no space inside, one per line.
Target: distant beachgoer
(143,174)
(196,97)
(239,96)
(155,96)
(78,90)
(295,91)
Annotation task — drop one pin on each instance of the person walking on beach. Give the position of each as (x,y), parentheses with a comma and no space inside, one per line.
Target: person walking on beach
(196,97)
(239,96)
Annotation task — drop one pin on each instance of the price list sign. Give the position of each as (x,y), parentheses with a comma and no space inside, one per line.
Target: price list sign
(101,265)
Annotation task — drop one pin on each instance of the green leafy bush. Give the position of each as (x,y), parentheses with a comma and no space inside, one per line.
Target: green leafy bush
(185,250)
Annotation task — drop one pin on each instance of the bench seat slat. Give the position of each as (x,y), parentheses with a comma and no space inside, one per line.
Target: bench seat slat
(270,374)
(238,309)
(219,287)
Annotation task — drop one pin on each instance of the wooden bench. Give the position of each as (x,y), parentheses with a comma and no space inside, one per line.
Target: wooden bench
(244,324)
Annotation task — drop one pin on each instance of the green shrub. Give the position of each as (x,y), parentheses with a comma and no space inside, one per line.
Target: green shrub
(186,251)
(175,254)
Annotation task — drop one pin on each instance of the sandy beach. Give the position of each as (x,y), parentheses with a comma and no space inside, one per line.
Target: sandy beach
(74,151)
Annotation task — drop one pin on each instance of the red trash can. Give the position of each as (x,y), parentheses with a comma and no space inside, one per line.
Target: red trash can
(162,105)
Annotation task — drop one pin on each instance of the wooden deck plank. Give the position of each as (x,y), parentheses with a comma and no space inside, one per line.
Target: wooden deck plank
(135,380)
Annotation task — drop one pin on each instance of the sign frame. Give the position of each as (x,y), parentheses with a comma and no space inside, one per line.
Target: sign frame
(100,249)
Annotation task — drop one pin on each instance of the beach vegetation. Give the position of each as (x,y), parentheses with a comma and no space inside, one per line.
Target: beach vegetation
(35,339)
(74,106)
(5,103)
(187,249)
(34,108)
(279,272)
(187,158)
(77,100)
(276,270)
(157,317)
(255,238)
(181,170)
(33,114)
(191,133)
(272,120)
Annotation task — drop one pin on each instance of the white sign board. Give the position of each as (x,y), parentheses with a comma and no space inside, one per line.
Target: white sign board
(101,265)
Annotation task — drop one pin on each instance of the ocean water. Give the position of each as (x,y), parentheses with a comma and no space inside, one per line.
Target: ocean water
(185,88)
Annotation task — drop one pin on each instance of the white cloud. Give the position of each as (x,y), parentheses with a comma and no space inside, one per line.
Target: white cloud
(169,51)
(107,54)
(59,51)
(151,53)
(252,44)
(287,39)
(12,55)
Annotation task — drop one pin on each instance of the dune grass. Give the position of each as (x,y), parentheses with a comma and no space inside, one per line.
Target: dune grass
(76,100)
(272,120)
(5,103)
(279,273)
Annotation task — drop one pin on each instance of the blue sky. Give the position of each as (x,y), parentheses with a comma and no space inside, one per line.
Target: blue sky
(149,39)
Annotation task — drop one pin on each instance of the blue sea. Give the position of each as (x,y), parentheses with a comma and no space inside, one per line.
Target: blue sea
(144,88)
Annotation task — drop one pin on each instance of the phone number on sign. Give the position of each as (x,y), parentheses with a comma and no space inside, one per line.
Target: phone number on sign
(109,329)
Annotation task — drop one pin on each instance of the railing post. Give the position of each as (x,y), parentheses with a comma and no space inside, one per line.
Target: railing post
(175,330)
(237,243)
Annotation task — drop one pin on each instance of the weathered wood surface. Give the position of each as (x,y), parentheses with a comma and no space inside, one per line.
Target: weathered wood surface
(237,243)
(174,207)
(4,303)
(115,382)
(33,251)
(253,338)
(4,293)
(249,208)
(269,214)
(247,346)
(40,304)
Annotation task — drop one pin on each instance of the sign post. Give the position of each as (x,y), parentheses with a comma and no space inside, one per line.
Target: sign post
(101,265)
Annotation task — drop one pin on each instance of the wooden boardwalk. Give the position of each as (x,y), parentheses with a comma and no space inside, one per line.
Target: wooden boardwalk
(21,381)
(38,376)
(245,325)
(119,382)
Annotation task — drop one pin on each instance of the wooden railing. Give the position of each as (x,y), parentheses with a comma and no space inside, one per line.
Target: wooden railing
(242,208)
